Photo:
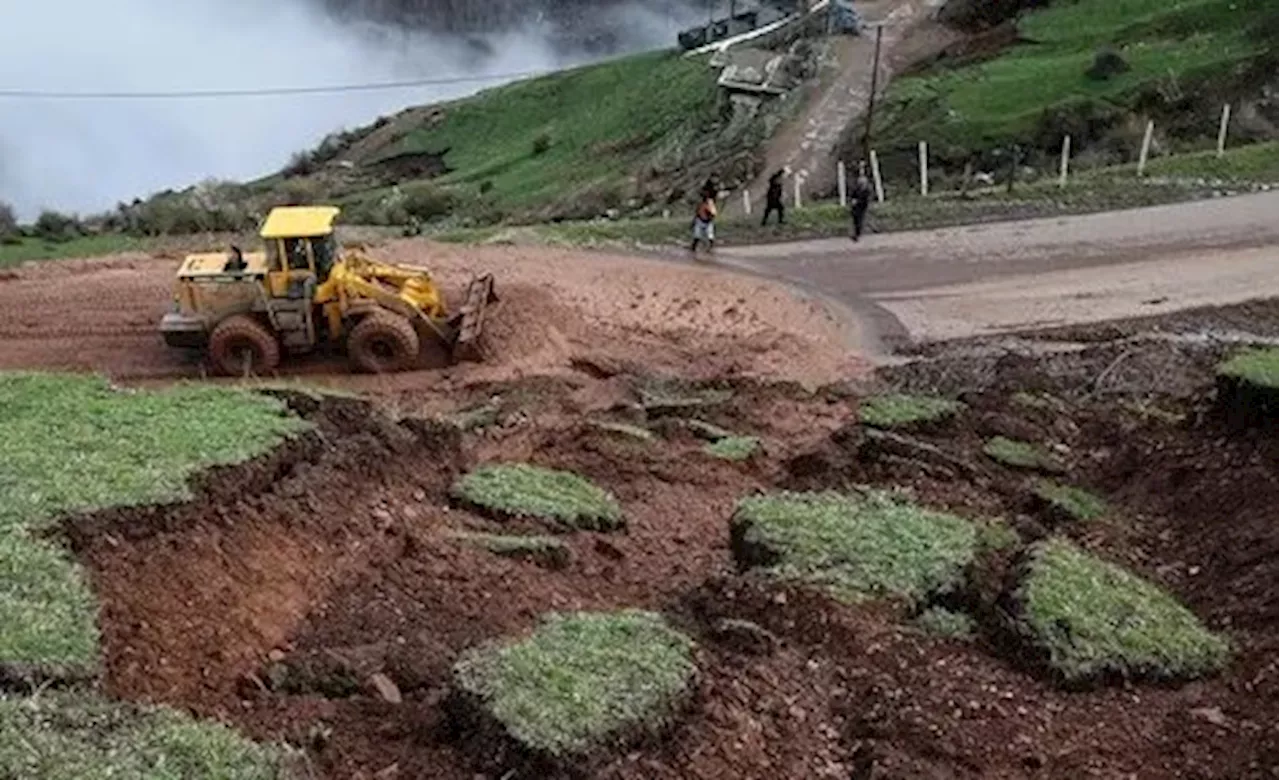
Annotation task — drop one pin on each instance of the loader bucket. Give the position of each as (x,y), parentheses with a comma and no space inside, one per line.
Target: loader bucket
(471,317)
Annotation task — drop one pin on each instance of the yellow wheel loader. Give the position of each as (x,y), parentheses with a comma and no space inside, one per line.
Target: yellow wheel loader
(303,292)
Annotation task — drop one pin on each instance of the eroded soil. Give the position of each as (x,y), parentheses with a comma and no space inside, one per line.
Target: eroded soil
(273,598)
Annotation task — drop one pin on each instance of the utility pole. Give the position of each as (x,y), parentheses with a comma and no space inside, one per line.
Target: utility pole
(871,99)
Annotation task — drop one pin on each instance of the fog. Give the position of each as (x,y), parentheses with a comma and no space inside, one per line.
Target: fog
(86,155)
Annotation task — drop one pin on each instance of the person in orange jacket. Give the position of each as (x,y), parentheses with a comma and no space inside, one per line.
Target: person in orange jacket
(704,223)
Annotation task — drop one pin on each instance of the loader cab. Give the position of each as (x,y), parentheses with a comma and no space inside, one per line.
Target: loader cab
(301,249)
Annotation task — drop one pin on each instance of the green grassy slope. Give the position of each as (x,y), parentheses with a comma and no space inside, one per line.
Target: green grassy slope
(1185,58)
(596,122)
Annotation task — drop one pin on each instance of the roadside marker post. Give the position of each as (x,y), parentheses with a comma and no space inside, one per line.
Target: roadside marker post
(875,177)
(796,182)
(1066,157)
(746,201)
(1146,146)
(1222,129)
(842,183)
(924,168)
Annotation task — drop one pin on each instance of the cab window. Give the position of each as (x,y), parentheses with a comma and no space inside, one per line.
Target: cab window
(295,250)
(323,250)
(273,255)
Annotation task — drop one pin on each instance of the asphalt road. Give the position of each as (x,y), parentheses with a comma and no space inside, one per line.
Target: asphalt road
(981,279)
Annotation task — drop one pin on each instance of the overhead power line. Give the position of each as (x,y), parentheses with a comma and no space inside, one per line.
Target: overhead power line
(45,94)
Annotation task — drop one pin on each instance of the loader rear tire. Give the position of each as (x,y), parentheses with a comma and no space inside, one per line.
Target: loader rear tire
(383,344)
(241,344)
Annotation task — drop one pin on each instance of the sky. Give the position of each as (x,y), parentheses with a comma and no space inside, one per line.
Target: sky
(84,156)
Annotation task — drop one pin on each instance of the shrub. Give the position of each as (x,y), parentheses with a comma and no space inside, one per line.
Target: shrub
(859,546)
(1092,619)
(300,164)
(1106,63)
(427,203)
(8,220)
(581,680)
(541,144)
(55,226)
(1020,454)
(299,192)
(522,490)
(897,410)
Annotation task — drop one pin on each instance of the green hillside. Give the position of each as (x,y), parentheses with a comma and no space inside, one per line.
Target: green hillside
(1181,61)
(544,140)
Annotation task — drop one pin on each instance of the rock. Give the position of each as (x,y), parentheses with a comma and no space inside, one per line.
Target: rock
(275,656)
(1211,715)
(386,688)
(388,773)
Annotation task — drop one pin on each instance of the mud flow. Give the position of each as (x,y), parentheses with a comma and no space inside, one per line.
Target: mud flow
(320,595)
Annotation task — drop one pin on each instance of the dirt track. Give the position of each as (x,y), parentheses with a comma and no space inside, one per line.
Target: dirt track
(558,310)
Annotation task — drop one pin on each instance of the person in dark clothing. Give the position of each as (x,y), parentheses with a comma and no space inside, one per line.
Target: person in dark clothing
(710,188)
(859,202)
(773,199)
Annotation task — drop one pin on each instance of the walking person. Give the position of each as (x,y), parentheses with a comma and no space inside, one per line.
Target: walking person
(773,199)
(704,219)
(860,202)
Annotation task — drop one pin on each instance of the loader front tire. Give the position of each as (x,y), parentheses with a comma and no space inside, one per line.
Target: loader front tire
(383,344)
(240,345)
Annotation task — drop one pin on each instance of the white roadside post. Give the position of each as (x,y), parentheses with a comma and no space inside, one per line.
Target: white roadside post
(1222,129)
(746,201)
(1146,146)
(796,182)
(875,177)
(1066,157)
(924,168)
(842,183)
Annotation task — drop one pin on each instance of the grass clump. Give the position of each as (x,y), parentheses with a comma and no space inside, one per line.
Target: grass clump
(1257,366)
(1075,502)
(73,443)
(997,535)
(1094,619)
(1020,454)
(523,490)
(898,410)
(859,546)
(734,448)
(544,550)
(46,608)
(83,737)
(624,429)
(943,622)
(705,430)
(582,680)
